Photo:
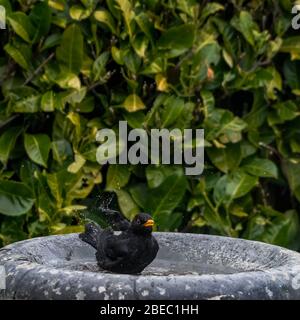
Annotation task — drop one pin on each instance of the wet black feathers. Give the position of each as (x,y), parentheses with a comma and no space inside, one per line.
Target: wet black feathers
(128,250)
(91,234)
(116,220)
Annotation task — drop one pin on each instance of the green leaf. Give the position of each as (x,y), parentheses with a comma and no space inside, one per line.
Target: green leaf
(37,147)
(12,229)
(118,55)
(7,142)
(210,9)
(61,150)
(57,4)
(144,23)
(77,164)
(174,107)
(177,38)
(67,80)
(285,232)
(28,175)
(208,101)
(15,198)
(292,75)
(214,220)
(126,204)
(49,101)
(62,229)
(21,54)
(128,14)
(220,194)
(274,227)
(40,17)
(133,103)
(260,167)
(287,110)
(155,67)
(239,184)
(156,175)
(284,111)
(117,177)
(133,62)
(224,125)
(246,26)
(233,186)
(291,45)
(135,120)
(22,25)
(226,159)
(274,84)
(52,41)
(209,54)
(87,105)
(292,171)
(139,193)
(164,199)
(70,52)
(75,186)
(56,186)
(99,66)
(27,105)
(140,45)
(105,17)
(114,9)
(77,12)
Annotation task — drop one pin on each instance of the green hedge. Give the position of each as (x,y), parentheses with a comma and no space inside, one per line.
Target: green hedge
(70,68)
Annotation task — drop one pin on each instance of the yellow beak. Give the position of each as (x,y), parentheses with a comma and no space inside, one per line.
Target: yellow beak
(149,223)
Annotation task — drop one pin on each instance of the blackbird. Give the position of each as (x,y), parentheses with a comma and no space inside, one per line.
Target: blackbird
(129,250)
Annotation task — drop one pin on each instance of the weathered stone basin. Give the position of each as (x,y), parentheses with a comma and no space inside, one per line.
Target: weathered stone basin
(188,266)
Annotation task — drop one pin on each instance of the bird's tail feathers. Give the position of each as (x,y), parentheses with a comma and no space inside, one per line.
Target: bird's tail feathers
(90,235)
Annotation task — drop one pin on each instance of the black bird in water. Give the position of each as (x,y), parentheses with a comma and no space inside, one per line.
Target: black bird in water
(130,249)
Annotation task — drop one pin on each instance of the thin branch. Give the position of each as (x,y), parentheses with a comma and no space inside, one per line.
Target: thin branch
(259,64)
(95,85)
(38,70)
(3,124)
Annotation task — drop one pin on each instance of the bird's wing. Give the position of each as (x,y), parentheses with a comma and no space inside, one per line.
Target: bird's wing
(116,219)
(91,234)
(117,248)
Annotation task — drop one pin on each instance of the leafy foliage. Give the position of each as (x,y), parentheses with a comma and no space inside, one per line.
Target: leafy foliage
(70,68)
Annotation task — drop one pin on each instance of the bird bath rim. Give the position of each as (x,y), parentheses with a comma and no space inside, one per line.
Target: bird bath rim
(259,271)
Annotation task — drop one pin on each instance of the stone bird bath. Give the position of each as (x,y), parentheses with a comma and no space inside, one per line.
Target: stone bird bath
(188,266)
